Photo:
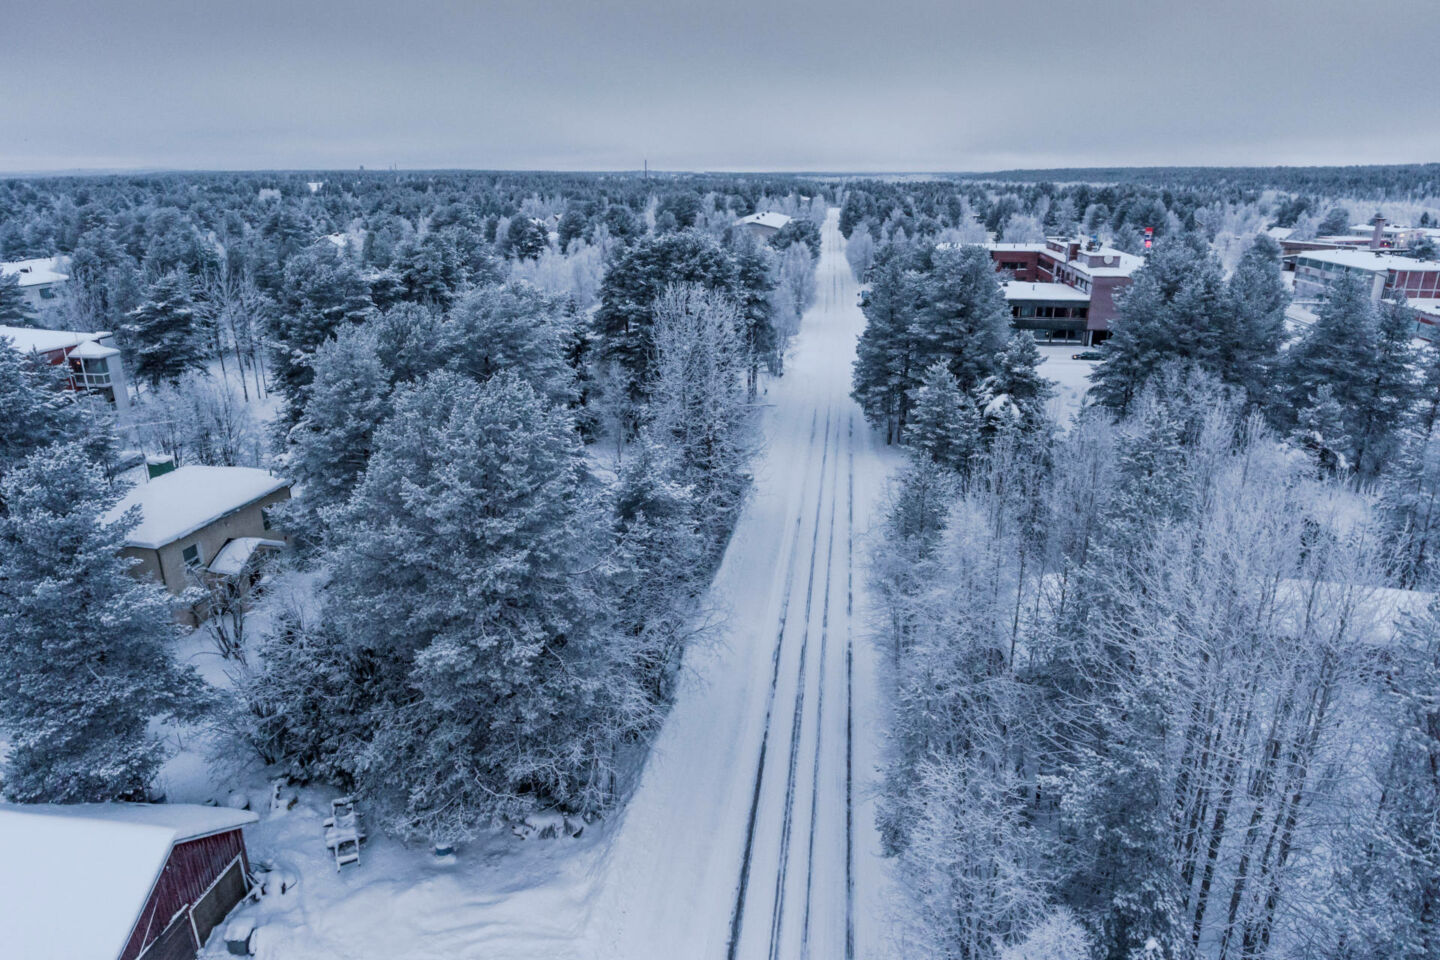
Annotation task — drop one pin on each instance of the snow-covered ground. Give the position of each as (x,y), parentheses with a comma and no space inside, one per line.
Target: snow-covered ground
(751,831)
(1071,379)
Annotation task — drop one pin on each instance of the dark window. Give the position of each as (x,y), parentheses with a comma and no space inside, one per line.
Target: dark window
(191,555)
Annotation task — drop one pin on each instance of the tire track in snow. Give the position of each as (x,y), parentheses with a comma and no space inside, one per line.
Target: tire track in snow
(787,823)
(738,911)
(820,707)
(850,701)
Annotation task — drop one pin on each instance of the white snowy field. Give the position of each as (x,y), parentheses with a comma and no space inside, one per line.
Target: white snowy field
(751,831)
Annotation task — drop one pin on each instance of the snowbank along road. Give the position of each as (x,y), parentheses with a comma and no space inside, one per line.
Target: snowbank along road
(751,834)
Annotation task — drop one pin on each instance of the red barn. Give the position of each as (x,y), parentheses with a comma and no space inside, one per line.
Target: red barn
(117,881)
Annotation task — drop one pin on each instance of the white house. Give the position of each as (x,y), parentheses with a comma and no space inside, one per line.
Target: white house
(764,225)
(40,279)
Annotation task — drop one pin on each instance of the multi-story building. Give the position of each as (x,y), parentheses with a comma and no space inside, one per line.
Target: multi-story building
(91,362)
(1386,275)
(1063,289)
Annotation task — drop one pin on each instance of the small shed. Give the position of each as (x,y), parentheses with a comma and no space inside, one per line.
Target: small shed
(118,881)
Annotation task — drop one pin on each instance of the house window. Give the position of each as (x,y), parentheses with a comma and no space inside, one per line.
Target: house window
(265,519)
(191,555)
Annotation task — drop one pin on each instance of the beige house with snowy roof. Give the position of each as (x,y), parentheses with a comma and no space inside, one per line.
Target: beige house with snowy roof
(200,521)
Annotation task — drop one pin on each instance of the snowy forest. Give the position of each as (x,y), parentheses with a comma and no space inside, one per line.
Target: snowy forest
(1158,680)
(1165,677)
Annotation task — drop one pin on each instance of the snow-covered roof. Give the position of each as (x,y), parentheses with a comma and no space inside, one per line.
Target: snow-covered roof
(1022,290)
(1429,306)
(35,273)
(232,558)
(1368,260)
(178,503)
(1279,233)
(767,219)
(341,240)
(29,340)
(1016,247)
(76,876)
(92,350)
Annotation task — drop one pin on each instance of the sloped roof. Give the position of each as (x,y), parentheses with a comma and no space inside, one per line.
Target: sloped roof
(31,340)
(34,273)
(178,503)
(76,876)
(767,219)
(232,558)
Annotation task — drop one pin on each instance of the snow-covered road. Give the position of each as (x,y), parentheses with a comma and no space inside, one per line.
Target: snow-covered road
(751,834)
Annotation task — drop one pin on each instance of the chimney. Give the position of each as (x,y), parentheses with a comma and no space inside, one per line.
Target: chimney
(1377,239)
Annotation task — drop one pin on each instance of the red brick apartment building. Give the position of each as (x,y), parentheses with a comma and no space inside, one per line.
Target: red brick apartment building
(1063,290)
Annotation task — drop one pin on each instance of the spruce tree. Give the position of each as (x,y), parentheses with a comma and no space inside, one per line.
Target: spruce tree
(944,422)
(164,334)
(85,664)
(15,310)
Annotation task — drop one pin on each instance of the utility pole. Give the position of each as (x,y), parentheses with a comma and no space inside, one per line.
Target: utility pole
(647,168)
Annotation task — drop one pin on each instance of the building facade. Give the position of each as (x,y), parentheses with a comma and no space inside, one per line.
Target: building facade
(91,362)
(1064,290)
(199,522)
(40,279)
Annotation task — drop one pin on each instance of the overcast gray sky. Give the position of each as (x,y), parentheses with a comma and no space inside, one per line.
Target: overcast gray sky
(902,85)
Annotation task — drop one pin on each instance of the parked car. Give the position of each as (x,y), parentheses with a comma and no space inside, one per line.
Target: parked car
(1088,355)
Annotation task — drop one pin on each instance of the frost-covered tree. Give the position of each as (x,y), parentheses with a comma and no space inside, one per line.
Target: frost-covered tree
(512,329)
(635,281)
(963,320)
(1365,355)
(860,253)
(85,659)
(1180,309)
(322,291)
(163,334)
(15,310)
(459,595)
(697,396)
(333,442)
(37,411)
(945,423)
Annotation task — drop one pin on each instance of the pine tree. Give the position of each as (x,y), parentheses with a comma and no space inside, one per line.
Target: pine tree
(37,412)
(164,334)
(886,362)
(15,310)
(458,591)
(85,664)
(322,291)
(1175,310)
(334,439)
(1017,386)
(963,320)
(513,329)
(636,279)
(1322,432)
(945,423)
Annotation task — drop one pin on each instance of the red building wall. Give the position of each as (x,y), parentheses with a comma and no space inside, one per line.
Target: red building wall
(190,870)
